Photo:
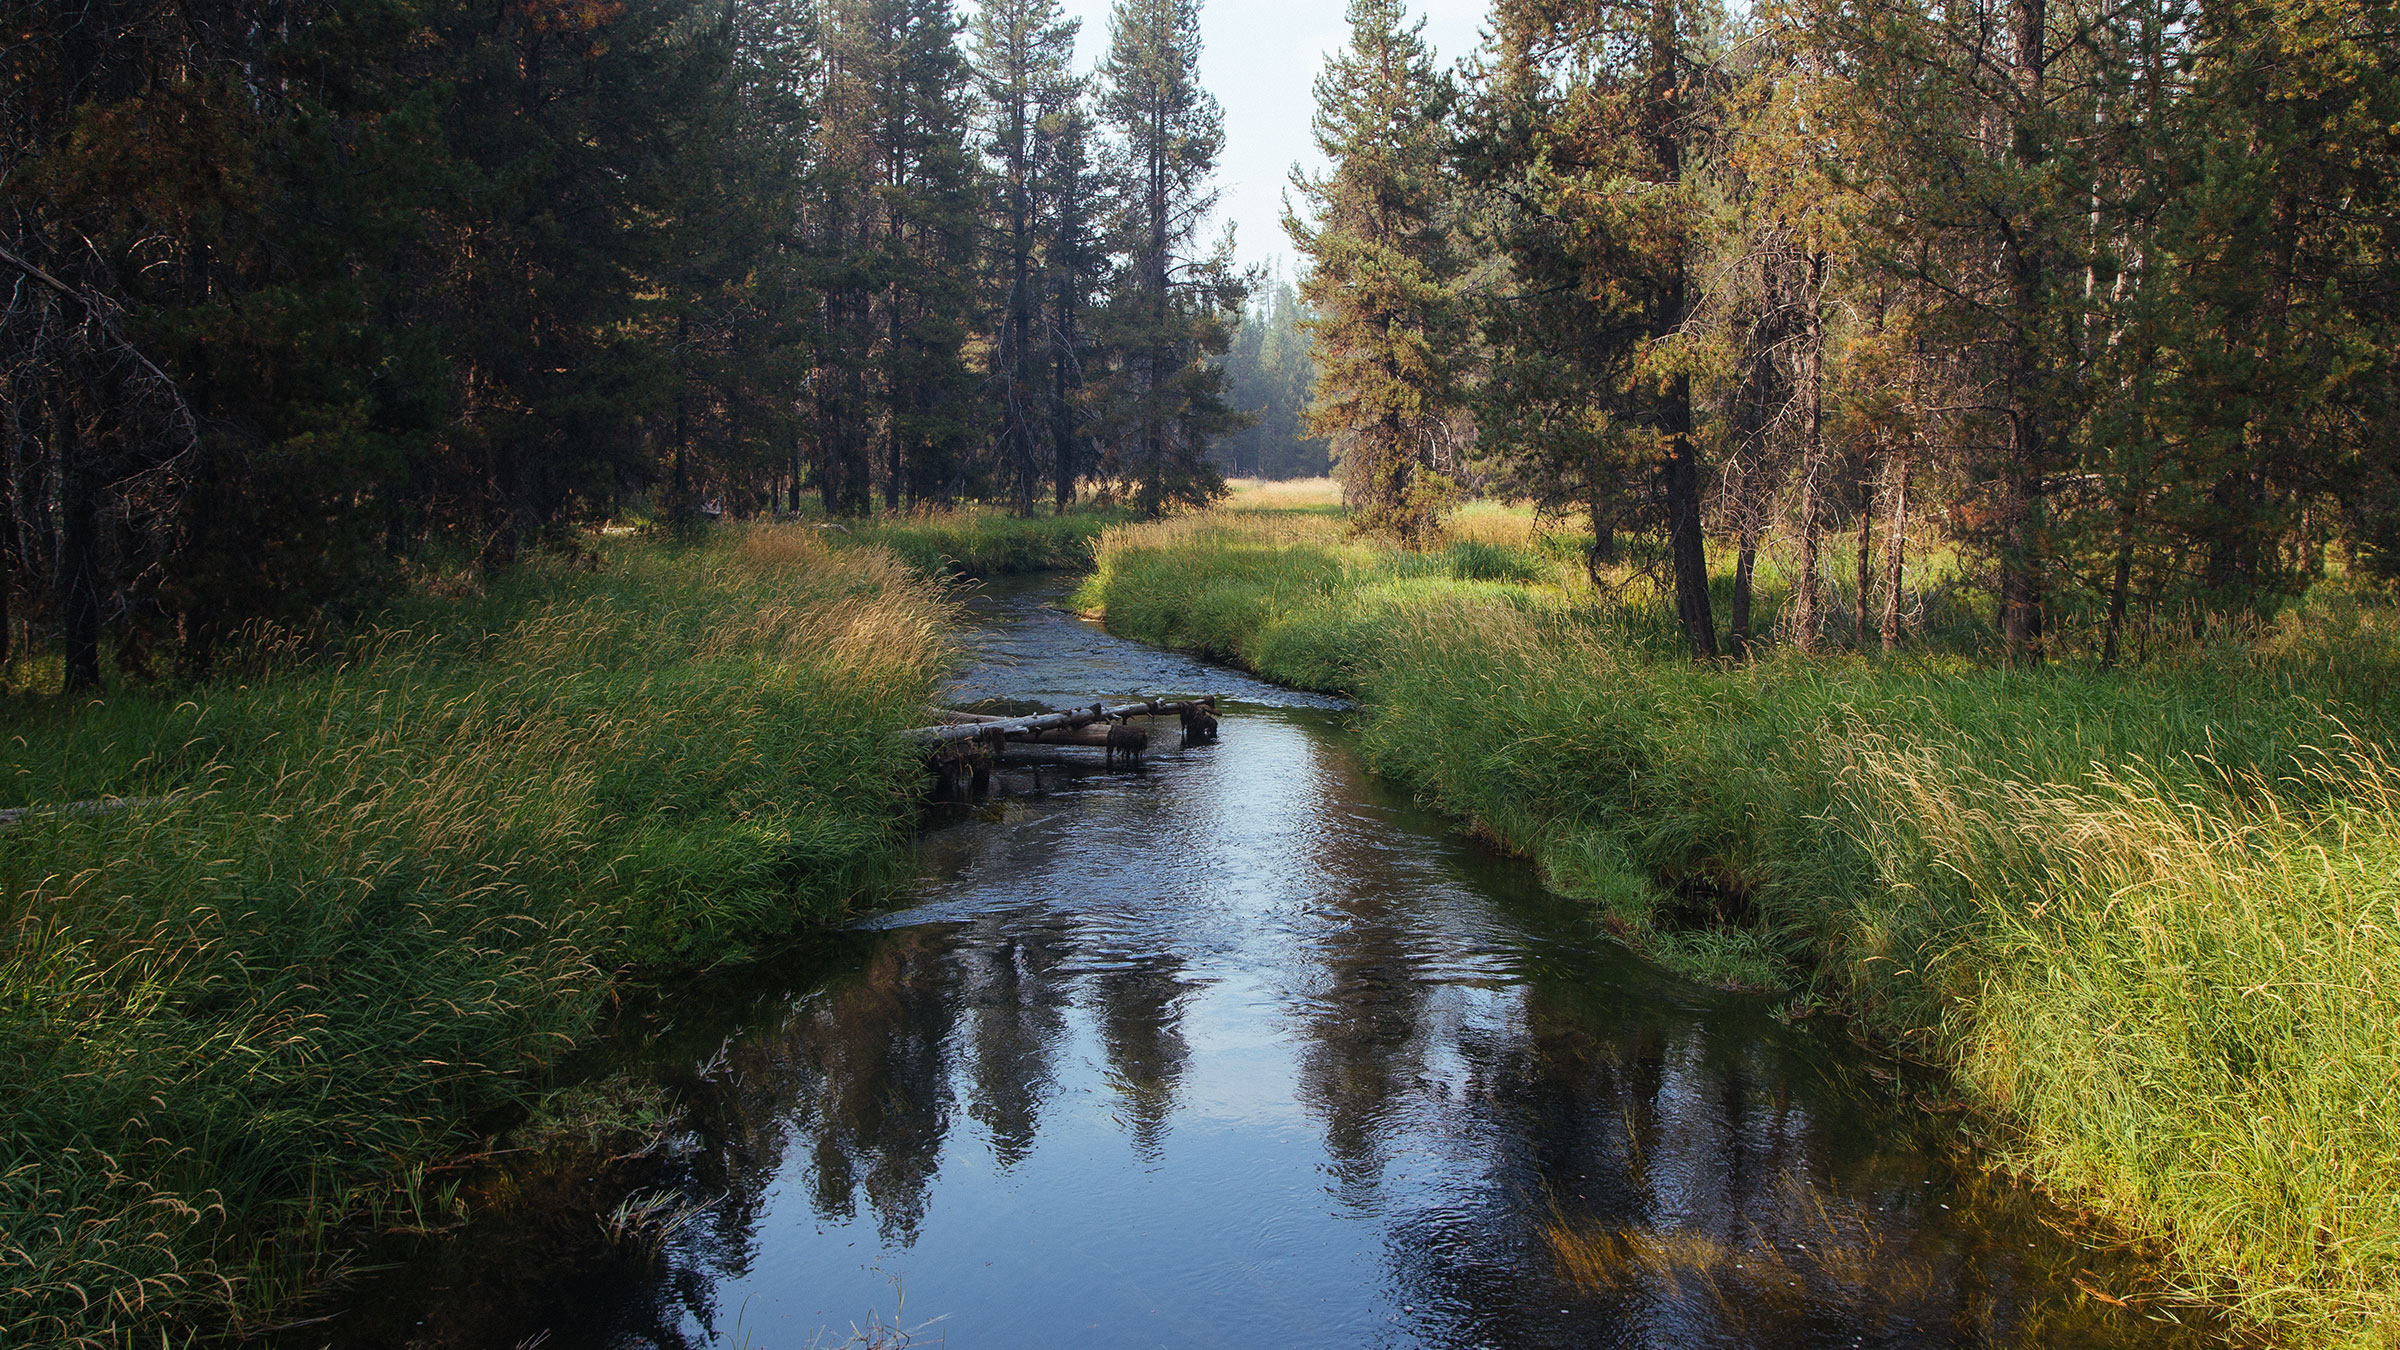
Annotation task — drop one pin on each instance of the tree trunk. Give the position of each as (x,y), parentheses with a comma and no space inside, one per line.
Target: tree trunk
(1866,557)
(1662,115)
(1895,546)
(1745,565)
(2021,545)
(1603,552)
(1689,551)
(2120,582)
(1808,580)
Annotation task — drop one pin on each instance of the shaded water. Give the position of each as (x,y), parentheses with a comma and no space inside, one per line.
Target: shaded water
(1241,1049)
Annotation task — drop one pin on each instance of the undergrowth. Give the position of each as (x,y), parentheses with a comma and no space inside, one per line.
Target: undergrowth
(368,892)
(2150,919)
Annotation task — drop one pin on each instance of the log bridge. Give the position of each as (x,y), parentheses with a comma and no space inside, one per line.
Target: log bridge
(969,742)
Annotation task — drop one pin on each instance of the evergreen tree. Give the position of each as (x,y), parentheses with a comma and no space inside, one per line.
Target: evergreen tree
(1023,52)
(1167,311)
(1587,127)
(1074,264)
(1389,330)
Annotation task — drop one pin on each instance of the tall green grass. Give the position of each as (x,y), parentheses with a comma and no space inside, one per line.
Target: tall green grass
(985,541)
(383,886)
(2150,920)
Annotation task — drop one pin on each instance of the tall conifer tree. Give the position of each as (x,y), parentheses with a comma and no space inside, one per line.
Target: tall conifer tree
(1168,311)
(1585,141)
(1389,330)
(1023,54)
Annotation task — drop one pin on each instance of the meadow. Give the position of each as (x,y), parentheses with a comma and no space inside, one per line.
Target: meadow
(371,886)
(2147,919)
(976,540)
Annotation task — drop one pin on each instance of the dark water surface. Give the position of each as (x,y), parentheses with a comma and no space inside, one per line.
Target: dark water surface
(1242,1050)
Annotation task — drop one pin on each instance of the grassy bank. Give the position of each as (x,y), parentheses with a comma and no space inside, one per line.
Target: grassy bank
(2150,920)
(373,891)
(986,541)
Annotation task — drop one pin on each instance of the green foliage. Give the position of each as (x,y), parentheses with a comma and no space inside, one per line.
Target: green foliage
(1170,316)
(2145,918)
(1382,286)
(365,895)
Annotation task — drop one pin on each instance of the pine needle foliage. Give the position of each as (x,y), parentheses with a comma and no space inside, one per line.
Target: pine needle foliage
(1390,329)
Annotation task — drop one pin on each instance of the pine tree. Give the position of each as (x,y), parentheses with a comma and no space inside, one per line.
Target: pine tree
(1388,326)
(1074,264)
(1023,53)
(1585,133)
(1167,312)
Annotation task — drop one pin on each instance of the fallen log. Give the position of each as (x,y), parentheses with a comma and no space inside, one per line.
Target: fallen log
(1037,727)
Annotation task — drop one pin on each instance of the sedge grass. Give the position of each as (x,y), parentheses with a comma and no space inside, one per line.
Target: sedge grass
(2148,919)
(384,886)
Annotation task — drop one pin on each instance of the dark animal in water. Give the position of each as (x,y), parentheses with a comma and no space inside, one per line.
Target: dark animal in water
(1129,741)
(1199,723)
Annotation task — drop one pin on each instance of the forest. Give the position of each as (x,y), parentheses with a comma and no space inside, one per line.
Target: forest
(1890,507)
(2099,300)
(304,295)
(301,296)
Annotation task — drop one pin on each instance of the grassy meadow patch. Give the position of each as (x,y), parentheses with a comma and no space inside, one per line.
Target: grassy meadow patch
(369,893)
(2149,918)
(987,541)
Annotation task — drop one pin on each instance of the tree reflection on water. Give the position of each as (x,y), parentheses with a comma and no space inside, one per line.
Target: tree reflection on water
(1241,1050)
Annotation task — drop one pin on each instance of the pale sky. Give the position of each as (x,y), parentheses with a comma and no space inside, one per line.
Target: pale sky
(1260,58)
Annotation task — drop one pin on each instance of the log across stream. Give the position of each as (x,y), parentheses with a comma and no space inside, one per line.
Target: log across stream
(963,746)
(1244,1049)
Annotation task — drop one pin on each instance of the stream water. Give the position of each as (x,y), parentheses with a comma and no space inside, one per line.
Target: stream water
(1241,1049)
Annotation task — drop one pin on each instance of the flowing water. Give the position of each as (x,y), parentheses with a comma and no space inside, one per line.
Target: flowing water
(1240,1049)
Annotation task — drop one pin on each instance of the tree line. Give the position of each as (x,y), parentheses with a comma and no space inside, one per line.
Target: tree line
(1270,369)
(301,295)
(2101,299)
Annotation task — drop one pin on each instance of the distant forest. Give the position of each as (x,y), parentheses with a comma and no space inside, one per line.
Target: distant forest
(302,294)
(1268,375)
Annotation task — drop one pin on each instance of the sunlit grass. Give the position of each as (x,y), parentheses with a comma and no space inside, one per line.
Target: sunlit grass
(386,885)
(981,540)
(1287,494)
(2149,918)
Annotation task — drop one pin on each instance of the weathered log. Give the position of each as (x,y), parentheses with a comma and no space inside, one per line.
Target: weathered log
(1095,735)
(1030,728)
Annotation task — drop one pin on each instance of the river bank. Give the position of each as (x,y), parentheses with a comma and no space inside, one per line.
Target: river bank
(2146,920)
(375,885)
(1239,1047)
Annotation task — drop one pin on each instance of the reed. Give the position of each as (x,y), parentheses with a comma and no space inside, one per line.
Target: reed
(386,882)
(2147,919)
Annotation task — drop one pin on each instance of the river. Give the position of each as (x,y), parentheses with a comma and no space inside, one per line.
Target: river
(1242,1049)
